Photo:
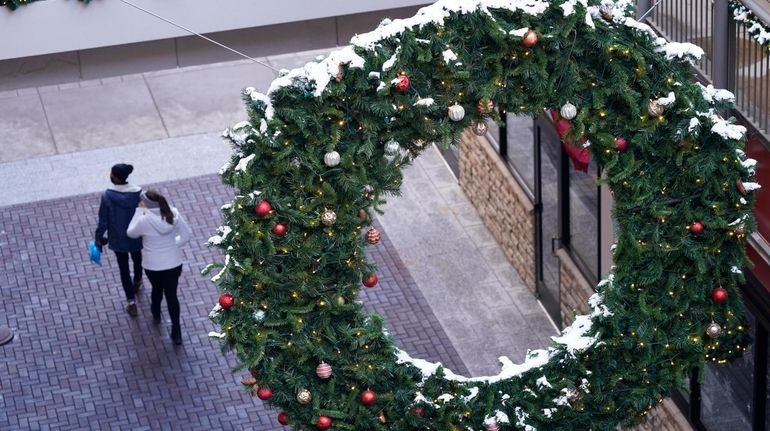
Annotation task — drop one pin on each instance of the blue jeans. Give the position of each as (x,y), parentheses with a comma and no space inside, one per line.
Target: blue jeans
(125,276)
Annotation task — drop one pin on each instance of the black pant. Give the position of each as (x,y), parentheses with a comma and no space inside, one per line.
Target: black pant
(125,276)
(165,282)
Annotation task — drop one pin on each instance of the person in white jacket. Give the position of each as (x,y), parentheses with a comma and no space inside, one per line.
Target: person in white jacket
(163,231)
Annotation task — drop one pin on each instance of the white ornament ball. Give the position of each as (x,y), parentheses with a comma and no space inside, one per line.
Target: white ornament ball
(332,159)
(568,111)
(323,370)
(456,112)
(392,147)
(259,315)
(328,217)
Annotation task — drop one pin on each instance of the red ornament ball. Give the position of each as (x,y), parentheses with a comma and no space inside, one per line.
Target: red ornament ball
(368,398)
(402,82)
(373,236)
(530,39)
(263,208)
(279,229)
(323,422)
(323,370)
(419,411)
(226,300)
(696,228)
(621,144)
(283,418)
(265,393)
(371,280)
(719,295)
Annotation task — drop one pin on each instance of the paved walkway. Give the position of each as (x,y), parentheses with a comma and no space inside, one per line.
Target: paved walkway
(79,361)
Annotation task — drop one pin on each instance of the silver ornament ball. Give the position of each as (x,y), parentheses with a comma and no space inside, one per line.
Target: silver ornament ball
(456,112)
(332,159)
(303,396)
(568,111)
(713,330)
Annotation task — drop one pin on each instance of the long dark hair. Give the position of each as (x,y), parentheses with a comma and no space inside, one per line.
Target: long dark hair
(165,210)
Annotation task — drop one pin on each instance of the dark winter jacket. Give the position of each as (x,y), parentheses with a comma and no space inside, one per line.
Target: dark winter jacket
(115,211)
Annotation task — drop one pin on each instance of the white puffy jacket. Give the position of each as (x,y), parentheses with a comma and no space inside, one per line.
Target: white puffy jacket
(160,240)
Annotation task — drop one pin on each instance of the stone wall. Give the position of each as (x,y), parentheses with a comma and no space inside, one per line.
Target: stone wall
(574,289)
(501,203)
(665,417)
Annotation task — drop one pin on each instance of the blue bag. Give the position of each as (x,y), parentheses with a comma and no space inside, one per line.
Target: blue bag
(95,253)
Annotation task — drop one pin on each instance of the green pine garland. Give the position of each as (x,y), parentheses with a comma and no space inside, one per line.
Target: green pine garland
(759,30)
(288,301)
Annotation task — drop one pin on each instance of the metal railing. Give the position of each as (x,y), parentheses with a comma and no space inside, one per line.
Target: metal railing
(732,60)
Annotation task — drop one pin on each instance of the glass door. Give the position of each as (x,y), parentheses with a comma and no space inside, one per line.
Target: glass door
(548,159)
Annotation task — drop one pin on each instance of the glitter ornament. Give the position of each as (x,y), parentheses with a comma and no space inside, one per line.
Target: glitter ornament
(226,300)
(479,128)
(328,217)
(303,396)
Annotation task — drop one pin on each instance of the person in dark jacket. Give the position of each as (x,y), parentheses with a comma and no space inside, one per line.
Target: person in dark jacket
(115,211)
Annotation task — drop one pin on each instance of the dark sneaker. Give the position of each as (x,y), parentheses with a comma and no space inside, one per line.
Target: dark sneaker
(137,285)
(156,319)
(177,338)
(131,310)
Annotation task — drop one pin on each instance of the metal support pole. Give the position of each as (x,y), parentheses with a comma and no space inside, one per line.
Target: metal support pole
(720,45)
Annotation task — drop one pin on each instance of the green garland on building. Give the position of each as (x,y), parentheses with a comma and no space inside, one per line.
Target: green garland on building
(13,4)
(325,146)
(759,30)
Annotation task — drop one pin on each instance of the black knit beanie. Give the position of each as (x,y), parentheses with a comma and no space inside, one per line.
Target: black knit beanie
(121,171)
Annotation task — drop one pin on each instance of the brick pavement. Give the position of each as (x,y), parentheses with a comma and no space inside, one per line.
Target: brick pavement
(80,362)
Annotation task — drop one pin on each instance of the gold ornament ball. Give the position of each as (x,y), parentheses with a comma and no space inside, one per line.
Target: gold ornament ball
(480,128)
(304,397)
(328,217)
(340,300)
(382,417)
(530,39)
(655,109)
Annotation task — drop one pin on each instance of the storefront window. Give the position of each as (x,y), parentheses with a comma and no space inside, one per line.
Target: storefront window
(727,391)
(584,220)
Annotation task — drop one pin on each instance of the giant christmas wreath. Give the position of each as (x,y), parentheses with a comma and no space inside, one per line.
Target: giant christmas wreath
(327,142)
